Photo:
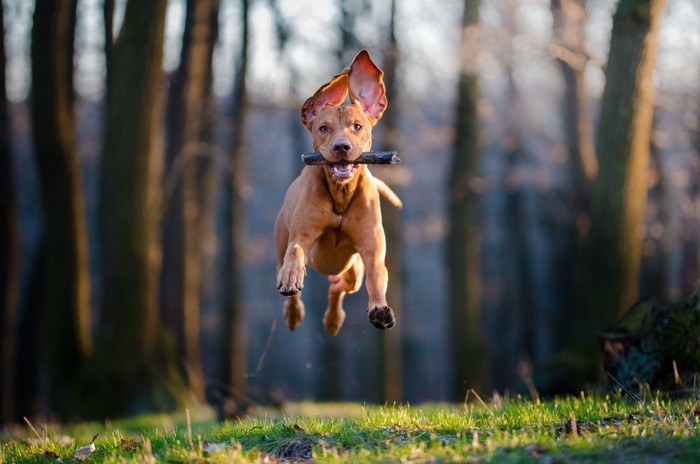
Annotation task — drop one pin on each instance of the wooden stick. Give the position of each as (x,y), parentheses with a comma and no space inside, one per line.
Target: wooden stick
(369,157)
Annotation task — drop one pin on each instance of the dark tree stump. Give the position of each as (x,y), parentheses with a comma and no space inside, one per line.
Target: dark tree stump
(651,338)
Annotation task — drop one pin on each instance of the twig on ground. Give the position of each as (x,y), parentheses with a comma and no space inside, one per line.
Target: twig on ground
(31,427)
(483,403)
(261,359)
(189,428)
(636,398)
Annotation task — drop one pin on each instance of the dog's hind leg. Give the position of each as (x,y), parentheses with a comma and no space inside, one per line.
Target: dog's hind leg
(349,281)
(293,310)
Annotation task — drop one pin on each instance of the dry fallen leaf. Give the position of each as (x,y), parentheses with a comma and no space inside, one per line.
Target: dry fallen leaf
(84,451)
(213,447)
(129,445)
(52,455)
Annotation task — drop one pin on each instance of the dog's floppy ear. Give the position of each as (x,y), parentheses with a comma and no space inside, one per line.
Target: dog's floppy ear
(332,93)
(367,86)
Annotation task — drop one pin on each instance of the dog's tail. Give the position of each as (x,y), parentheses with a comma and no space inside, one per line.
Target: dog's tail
(387,193)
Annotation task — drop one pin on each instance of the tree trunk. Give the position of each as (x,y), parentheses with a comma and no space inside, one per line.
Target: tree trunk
(66,278)
(129,170)
(209,184)
(462,243)
(108,19)
(569,50)
(181,277)
(391,219)
(691,243)
(349,42)
(569,24)
(234,340)
(27,371)
(655,268)
(613,249)
(9,253)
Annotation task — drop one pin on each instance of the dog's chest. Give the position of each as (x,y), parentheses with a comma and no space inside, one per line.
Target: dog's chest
(332,252)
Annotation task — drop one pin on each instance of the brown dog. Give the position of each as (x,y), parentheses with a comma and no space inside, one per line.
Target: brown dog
(330,218)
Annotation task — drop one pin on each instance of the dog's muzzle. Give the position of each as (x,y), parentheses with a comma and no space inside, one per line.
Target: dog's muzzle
(342,172)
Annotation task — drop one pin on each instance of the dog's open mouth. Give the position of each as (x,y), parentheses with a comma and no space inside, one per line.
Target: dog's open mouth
(342,172)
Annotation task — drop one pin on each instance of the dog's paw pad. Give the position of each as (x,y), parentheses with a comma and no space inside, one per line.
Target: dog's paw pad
(382,318)
(288,290)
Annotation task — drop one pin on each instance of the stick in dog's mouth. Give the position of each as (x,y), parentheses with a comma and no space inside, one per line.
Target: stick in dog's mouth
(370,157)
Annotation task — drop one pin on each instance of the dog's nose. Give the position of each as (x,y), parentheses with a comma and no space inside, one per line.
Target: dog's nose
(341,147)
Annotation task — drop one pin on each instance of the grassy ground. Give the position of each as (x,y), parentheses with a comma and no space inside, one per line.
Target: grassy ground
(586,429)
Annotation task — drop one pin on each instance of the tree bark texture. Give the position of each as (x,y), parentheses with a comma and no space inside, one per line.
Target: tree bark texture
(391,220)
(9,252)
(569,24)
(66,284)
(129,171)
(462,244)
(181,278)
(234,338)
(108,19)
(613,250)
(569,50)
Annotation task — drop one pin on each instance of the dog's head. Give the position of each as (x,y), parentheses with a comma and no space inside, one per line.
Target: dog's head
(341,133)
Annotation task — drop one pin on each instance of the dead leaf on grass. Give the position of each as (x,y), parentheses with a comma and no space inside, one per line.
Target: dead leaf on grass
(213,447)
(297,449)
(574,427)
(84,452)
(129,445)
(52,455)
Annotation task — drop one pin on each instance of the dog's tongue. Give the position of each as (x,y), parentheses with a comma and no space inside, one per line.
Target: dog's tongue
(342,171)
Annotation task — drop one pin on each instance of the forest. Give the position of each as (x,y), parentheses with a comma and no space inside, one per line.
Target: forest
(550,179)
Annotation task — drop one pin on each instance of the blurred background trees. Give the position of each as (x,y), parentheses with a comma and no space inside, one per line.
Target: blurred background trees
(613,249)
(462,242)
(125,366)
(234,335)
(180,280)
(65,282)
(9,252)
(550,178)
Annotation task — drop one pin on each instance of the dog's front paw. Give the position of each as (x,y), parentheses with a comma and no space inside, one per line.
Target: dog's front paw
(382,318)
(290,280)
(288,290)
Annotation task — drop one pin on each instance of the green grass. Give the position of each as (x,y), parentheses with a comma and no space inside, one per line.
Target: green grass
(585,429)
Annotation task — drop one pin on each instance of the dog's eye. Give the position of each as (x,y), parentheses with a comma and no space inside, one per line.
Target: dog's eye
(357,126)
(323,128)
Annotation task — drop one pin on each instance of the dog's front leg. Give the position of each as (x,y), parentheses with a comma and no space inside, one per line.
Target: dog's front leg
(307,223)
(290,278)
(372,251)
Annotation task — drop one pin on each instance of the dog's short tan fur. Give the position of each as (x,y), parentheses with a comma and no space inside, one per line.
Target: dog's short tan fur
(330,218)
